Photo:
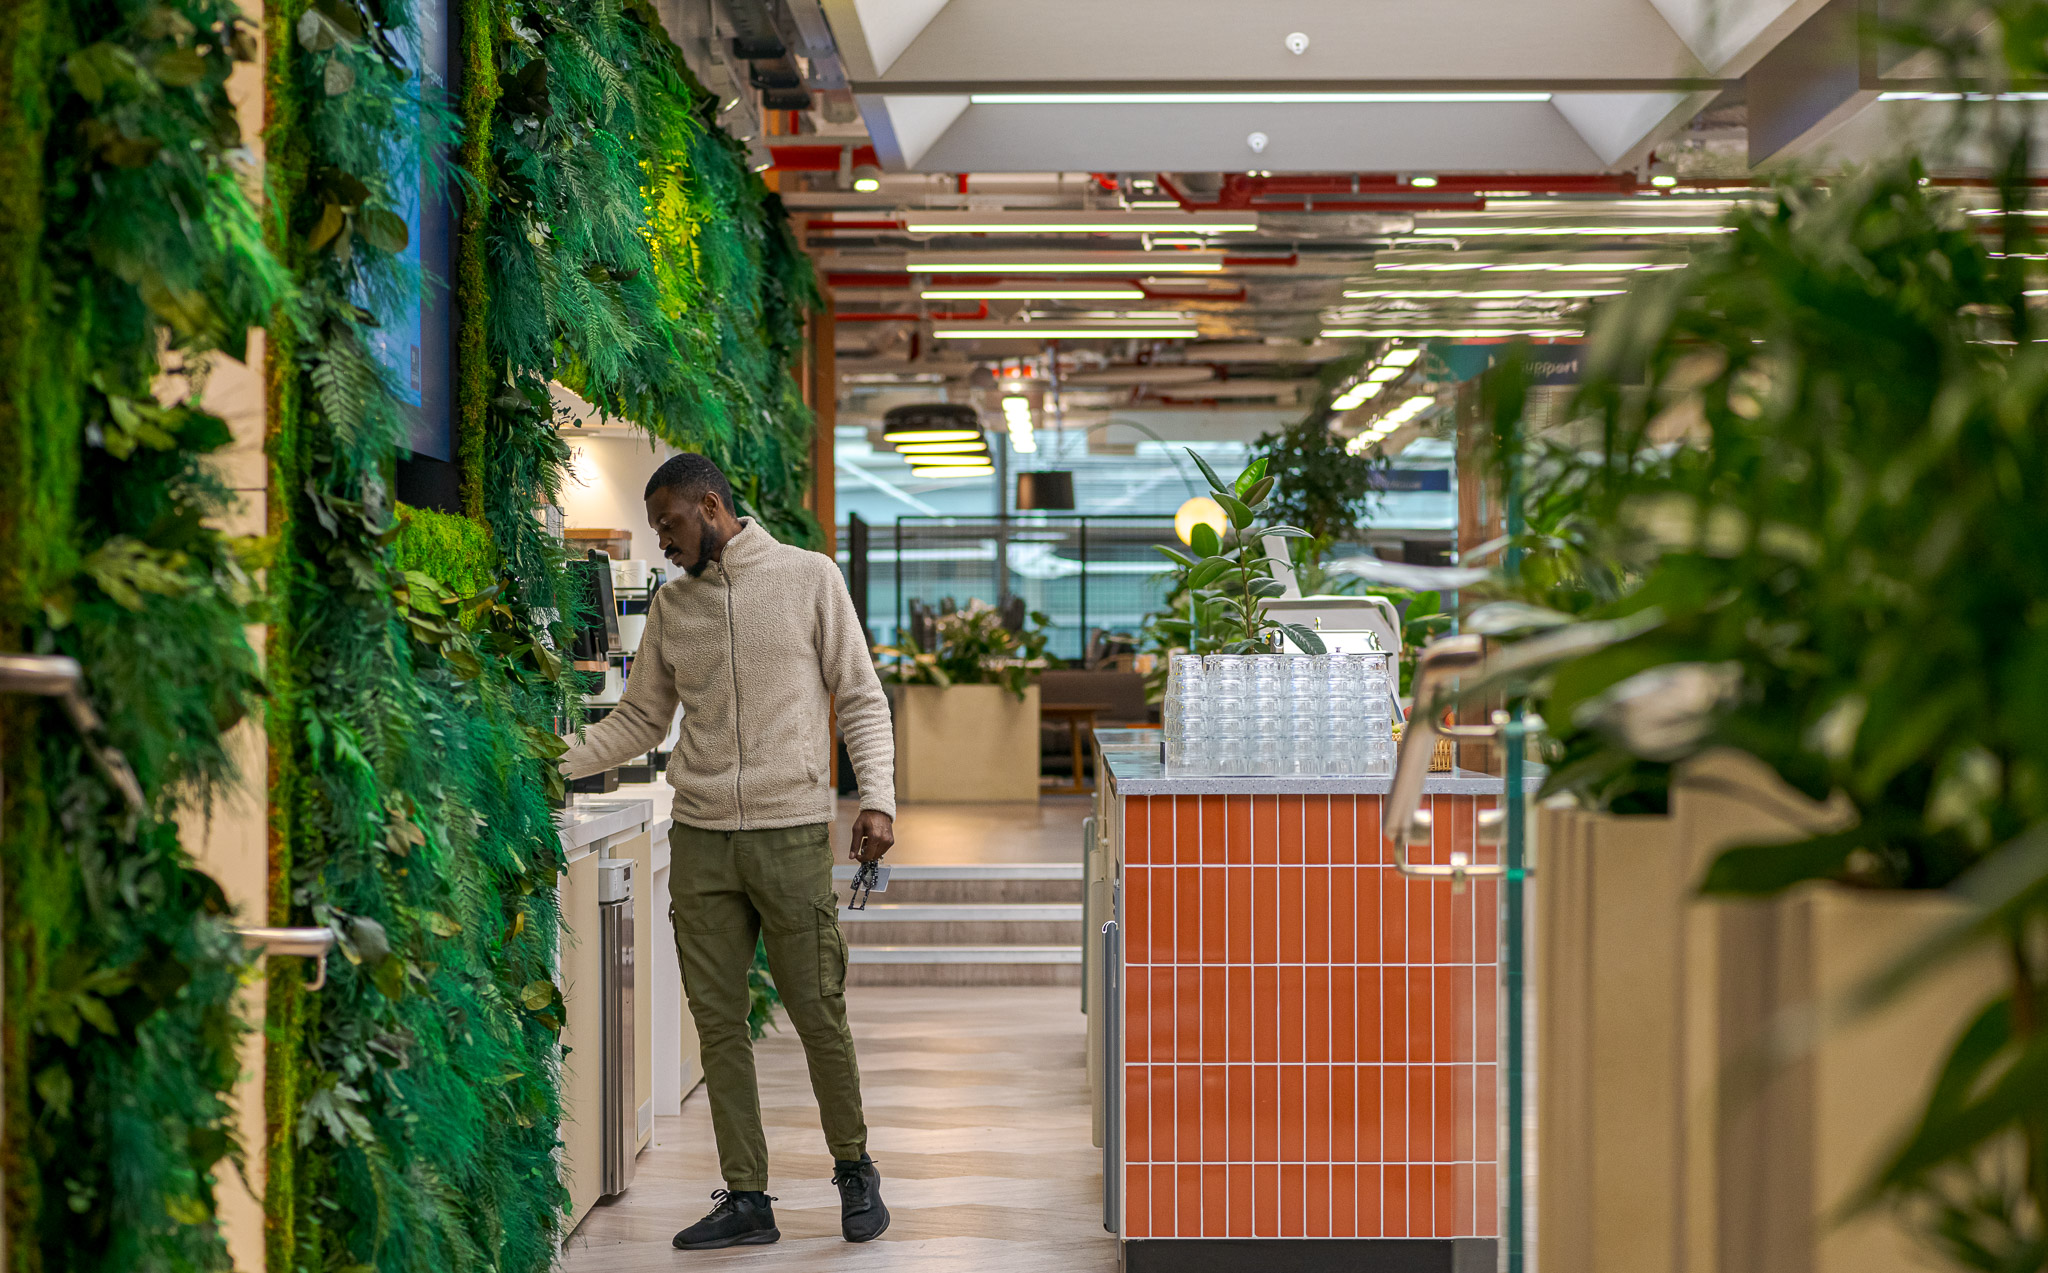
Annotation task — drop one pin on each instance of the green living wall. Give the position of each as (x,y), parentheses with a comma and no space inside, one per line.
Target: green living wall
(610,239)
(129,253)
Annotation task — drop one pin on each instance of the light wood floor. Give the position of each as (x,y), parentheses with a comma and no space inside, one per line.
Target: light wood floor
(977,1108)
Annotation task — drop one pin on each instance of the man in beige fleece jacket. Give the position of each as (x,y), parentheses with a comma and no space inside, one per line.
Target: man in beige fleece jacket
(756,640)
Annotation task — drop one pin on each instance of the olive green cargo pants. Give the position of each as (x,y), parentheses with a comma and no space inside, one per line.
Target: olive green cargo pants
(725,889)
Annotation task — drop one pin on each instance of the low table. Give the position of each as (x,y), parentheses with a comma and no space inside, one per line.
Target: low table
(1080,717)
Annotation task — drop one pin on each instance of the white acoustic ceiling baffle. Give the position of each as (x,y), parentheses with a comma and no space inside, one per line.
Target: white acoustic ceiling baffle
(891,25)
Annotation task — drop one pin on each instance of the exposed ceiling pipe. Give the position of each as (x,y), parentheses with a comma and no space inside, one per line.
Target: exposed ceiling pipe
(962,316)
(813,158)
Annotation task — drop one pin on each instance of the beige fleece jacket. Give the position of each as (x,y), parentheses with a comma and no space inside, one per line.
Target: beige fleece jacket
(754,650)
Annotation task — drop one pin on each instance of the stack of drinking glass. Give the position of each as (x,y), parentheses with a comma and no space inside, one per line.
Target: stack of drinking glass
(1279,714)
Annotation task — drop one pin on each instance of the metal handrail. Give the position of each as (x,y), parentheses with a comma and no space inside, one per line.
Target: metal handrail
(61,678)
(1405,819)
(308,943)
(58,677)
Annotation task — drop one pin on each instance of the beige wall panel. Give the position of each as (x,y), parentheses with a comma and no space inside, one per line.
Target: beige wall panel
(581,963)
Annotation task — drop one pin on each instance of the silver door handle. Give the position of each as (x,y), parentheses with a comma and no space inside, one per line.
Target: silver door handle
(58,677)
(308,943)
(1405,819)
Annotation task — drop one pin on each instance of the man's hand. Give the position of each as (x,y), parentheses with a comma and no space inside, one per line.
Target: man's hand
(874,832)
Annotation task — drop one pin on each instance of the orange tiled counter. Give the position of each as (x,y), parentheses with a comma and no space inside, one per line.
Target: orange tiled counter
(1304,1040)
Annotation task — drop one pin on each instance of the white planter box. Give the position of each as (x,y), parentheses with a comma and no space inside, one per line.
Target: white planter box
(965,743)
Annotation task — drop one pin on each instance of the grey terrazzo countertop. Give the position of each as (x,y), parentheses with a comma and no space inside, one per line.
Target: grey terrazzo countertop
(1139,771)
(593,817)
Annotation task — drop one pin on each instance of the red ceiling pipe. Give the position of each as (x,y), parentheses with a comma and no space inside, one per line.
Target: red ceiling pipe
(819,158)
(1283,262)
(855,225)
(856,278)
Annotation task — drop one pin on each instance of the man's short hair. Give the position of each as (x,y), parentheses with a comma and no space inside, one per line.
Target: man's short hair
(691,474)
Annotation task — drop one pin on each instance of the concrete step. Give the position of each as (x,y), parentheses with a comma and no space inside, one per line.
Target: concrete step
(979,924)
(963,965)
(999,882)
(962,924)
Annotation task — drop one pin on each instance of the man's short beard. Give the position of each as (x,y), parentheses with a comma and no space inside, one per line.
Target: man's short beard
(707,544)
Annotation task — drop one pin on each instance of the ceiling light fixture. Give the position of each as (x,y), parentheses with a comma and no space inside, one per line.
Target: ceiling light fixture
(1047,331)
(1245,99)
(1442,333)
(867,178)
(930,435)
(1035,292)
(1422,181)
(1902,96)
(1400,358)
(1427,263)
(1078,222)
(941,448)
(983,470)
(1357,395)
(1066,263)
(1488,294)
(1539,230)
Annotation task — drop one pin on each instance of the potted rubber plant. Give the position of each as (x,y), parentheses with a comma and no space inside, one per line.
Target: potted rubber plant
(966,709)
(1807,534)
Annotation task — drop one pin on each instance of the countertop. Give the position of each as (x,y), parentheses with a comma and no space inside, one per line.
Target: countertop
(634,807)
(1137,770)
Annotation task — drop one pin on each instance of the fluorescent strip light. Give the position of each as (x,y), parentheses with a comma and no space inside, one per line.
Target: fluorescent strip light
(955,470)
(1079,223)
(1400,358)
(1248,99)
(1385,373)
(922,462)
(1488,294)
(932,435)
(1443,333)
(1958,97)
(1027,292)
(1043,331)
(941,448)
(1067,263)
(1534,267)
(1563,231)
(1023,446)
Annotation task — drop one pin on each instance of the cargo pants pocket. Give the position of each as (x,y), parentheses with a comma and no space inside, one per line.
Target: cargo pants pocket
(832,954)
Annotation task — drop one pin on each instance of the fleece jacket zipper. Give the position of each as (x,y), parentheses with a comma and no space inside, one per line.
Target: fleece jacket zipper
(739,748)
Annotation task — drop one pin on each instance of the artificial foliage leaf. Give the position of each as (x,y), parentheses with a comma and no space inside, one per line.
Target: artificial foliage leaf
(385,230)
(178,68)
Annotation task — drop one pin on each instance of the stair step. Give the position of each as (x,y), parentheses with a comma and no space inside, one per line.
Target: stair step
(964,913)
(1019,883)
(843,872)
(964,955)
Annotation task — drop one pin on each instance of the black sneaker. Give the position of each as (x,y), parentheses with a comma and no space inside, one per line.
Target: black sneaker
(862,1217)
(739,1219)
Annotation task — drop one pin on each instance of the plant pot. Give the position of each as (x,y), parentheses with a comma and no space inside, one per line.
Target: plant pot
(1697,1108)
(965,743)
